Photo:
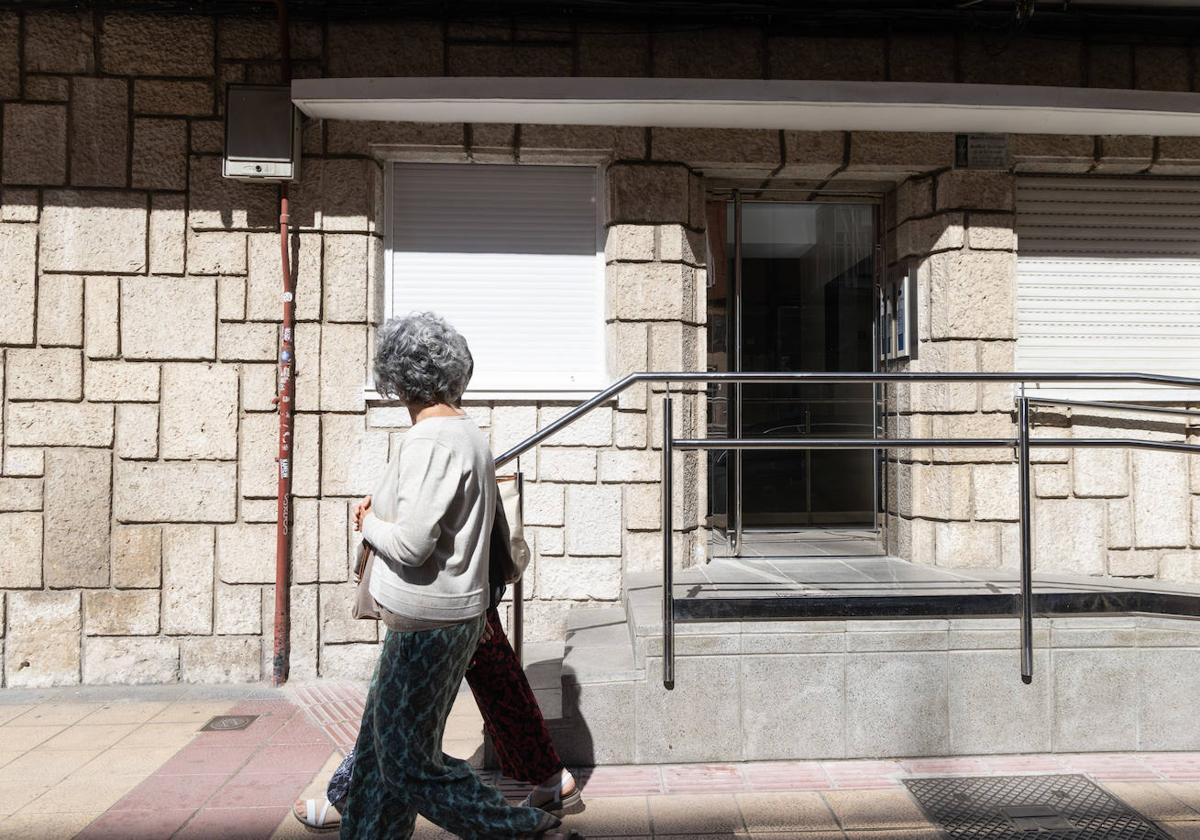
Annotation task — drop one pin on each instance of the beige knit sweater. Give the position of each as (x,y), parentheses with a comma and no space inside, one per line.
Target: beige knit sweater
(430,524)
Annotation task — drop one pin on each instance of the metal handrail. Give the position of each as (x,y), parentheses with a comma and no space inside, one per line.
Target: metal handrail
(805,377)
(1116,406)
(1023,442)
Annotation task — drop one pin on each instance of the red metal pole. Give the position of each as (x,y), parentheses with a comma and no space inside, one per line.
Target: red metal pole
(287,393)
(286,397)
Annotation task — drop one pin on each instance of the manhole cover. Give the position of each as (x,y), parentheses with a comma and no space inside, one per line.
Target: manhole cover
(228,723)
(1025,807)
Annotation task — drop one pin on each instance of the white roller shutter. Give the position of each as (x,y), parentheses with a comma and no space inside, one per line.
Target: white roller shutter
(512,256)
(1108,278)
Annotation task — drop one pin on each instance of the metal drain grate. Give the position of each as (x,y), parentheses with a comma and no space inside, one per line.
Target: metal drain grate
(228,723)
(1024,807)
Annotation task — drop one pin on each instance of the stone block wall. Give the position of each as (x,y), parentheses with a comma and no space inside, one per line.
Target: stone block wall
(140,318)
(1112,512)
(141,321)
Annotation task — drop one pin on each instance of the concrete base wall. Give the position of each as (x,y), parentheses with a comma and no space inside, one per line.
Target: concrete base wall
(864,689)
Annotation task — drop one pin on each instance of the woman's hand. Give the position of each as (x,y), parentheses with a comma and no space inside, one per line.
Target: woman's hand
(360,510)
(487,633)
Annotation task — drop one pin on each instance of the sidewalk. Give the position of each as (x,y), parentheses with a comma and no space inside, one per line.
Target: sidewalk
(131,764)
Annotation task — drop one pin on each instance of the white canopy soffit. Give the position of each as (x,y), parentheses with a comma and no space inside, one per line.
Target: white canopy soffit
(736,103)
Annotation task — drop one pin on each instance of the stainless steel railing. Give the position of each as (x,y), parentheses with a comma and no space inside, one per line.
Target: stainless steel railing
(1022,444)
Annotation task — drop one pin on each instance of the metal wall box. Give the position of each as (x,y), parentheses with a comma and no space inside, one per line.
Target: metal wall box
(262,133)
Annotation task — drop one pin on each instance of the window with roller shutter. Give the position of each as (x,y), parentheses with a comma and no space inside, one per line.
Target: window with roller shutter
(1108,278)
(512,255)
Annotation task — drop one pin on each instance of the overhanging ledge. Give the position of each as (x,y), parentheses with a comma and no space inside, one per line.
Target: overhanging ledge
(737,103)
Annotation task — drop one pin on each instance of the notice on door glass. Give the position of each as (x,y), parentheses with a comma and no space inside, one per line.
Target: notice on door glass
(981,151)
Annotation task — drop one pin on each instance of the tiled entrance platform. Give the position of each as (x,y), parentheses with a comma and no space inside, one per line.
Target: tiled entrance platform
(131,764)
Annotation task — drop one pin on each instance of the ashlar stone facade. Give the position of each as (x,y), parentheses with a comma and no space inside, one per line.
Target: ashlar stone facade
(140,318)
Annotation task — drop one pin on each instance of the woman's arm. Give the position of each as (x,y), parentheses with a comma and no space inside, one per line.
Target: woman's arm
(428,483)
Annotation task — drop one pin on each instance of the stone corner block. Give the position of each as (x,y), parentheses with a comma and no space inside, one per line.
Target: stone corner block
(42,648)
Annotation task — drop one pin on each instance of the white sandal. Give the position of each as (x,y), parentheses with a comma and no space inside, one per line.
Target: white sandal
(318,822)
(555,803)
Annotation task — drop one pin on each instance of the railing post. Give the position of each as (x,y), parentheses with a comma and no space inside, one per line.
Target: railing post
(518,612)
(668,601)
(1026,539)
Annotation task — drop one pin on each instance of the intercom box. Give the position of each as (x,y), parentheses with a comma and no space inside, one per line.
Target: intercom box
(262,133)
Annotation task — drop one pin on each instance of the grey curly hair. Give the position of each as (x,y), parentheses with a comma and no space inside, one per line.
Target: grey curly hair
(421,359)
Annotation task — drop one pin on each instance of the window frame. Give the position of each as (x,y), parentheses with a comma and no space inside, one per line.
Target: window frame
(594,381)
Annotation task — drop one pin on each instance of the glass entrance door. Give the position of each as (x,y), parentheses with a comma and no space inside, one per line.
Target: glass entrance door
(793,290)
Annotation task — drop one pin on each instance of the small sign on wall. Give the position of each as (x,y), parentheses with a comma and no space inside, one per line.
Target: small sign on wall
(981,151)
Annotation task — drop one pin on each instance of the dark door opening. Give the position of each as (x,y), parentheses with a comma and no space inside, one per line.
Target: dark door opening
(793,290)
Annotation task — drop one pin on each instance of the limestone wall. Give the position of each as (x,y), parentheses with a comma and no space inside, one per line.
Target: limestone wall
(1096,511)
(139,304)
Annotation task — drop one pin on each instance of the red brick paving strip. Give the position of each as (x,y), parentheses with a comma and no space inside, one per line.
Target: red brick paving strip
(228,785)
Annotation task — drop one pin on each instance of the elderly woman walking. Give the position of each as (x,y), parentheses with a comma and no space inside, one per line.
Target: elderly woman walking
(429,522)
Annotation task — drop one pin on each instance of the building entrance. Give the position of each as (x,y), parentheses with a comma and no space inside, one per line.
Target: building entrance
(792,289)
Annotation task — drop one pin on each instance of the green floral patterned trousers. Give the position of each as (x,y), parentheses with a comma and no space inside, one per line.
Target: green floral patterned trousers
(400,770)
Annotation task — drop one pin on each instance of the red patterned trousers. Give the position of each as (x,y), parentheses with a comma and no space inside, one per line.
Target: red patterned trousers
(510,711)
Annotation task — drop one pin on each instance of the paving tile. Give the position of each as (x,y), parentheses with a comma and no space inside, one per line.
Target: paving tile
(46,766)
(48,714)
(193,711)
(787,775)
(874,809)
(254,790)
(16,795)
(1175,767)
(86,794)
(617,816)
(694,814)
(158,734)
(233,824)
(258,732)
(464,749)
(127,761)
(799,811)
(172,792)
(1115,767)
(1004,765)
(703,778)
(299,730)
(301,758)
(796,835)
(193,760)
(80,737)
(22,738)
(8,712)
(952,766)
(142,825)
(1186,792)
(7,757)
(1151,800)
(863,774)
(425,830)
(43,826)
(1183,831)
(620,780)
(897,834)
(127,712)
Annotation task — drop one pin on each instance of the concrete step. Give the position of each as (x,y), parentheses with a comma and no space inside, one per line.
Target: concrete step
(599,682)
(543,668)
(598,647)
